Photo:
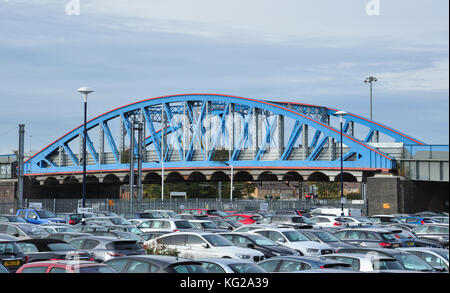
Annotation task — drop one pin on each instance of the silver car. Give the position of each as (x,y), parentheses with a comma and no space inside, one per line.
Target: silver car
(367,262)
(169,224)
(104,248)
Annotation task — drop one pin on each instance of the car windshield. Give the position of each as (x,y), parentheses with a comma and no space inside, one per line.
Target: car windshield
(413,263)
(246,268)
(60,247)
(362,219)
(216,240)
(262,241)
(8,248)
(45,214)
(386,264)
(172,214)
(301,220)
(294,236)
(208,225)
(128,235)
(326,237)
(183,225)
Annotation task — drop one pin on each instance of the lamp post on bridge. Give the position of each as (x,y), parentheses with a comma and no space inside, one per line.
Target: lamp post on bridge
(341,114)
(85,91)
(370,80)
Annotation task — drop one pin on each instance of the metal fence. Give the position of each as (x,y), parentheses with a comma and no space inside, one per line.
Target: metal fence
(120,206)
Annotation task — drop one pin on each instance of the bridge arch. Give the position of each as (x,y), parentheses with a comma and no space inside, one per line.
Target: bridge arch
(318,177)
(243,176)
(220,176)
(267,176)
(152,178)
(292,176)
(347,177)
(197,177)
(174,177)
(111,179)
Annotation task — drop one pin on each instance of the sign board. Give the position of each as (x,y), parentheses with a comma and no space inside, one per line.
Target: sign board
(343,200)
(178,194)
(386,206)
(35,205)
(85,210)
(357,201)
(110,203)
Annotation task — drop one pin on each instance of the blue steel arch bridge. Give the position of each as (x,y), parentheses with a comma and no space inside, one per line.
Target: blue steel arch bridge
(207,136)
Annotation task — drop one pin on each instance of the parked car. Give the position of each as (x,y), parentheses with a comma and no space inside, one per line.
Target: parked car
(337,212)
(11,257)
(440,219)
(149,214)
(303,213)
(70,218)
(435,232)
(57,228)
(406,238)
(89,227)
(384,219)
(289,264)
(436,257)
(67,236)
(250,227)
(125,228)
(23,230)
(328,221)
(169,224)
(108,221)
(36,216)
(228,265)
(206,226)
(105,248)
(164,213)
(293,239)
(323,236)
(416,220)
(205,245)
(255,241)
(11,218)
(366,262)
(50,249)
(298,222)
(65,266)
(210,212)
(227,224)
(155,264)
(120,235)
(418,242)
(154,234)
(244,218)
(369,237)
(352,221)
(408,261)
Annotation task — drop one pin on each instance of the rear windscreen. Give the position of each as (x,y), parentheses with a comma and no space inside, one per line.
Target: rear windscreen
(123,245)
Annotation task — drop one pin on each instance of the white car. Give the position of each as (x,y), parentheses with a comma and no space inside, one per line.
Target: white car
(291,238)
(367,262)
(328,221)
(196,245)
(169,224)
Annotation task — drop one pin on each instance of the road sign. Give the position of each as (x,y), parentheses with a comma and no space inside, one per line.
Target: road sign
(35,205)
(85,210)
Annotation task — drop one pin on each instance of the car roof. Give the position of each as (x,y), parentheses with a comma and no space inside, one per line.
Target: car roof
(225,261)
(388,251)
(41,241)
(160,259)
(361,256)
(377,230)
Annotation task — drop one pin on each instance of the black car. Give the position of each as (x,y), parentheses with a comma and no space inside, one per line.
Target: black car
(409,261)
(50,249)
(154,264)
(369,237)
(323,236)
(434,232)
(255,241)
(11,256)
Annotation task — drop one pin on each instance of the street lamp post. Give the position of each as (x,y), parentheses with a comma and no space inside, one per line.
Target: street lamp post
(85,91)
(341,114)
(370,80)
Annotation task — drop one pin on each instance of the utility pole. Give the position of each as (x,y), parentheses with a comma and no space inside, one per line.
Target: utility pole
(21,156)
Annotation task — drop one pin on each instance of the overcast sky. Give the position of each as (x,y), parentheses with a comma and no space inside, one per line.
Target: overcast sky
(316,52)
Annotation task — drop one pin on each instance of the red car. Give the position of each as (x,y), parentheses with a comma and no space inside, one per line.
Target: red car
(65,266)
(244,218)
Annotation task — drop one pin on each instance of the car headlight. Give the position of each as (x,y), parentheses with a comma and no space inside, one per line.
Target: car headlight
(312,250)
(243,256)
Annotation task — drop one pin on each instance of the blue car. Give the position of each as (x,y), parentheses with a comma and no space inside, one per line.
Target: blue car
(418,220)
(34,216)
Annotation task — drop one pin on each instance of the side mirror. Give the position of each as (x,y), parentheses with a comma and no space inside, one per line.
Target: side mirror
(282,240)
(205,245)
(440,268)
(230,228)
(250,245)
(16,234)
